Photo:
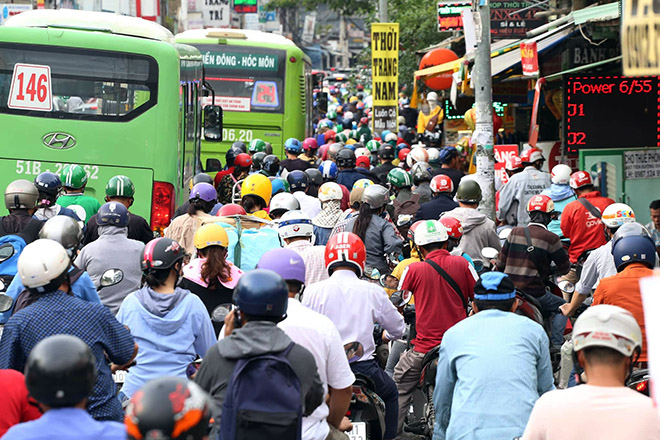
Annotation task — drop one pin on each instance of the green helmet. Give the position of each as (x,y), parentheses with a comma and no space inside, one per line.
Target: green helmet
(331,115)
(468,191)
(120,186)
(399,178)
(339,127)
(256,145)
(341,137)
(257,160)
(73,176)
(354,135)
(373,146)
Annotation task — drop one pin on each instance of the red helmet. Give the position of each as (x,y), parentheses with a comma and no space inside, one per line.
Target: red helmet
(403,153)
(453,226)
(411,231)
(329,136)
(580,179)
(362,162)
(345,248)
(231,209)
(531,155)
(310,144)
(541,203)
(323,151)
(364,120)
(243,160)
(512,163)
(442,184)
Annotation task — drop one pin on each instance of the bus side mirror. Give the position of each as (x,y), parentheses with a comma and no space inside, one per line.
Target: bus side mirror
(213,165)
(213,123)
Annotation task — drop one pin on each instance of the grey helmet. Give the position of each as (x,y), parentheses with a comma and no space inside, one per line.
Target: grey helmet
(333,149)
(283,201)
(376,196)
(21,194)
(421,172)
(64,230)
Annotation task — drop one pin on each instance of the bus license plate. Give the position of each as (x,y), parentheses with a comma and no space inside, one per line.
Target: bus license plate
(359,431)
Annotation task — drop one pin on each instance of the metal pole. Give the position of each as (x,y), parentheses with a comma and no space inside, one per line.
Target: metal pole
(382,11)
(483,134)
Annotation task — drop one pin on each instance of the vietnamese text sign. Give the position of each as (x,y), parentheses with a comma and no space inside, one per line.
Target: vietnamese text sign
(642,164)
(31,88)
(216,13)
(502,153)
(449,15)
(640,31)
(529,58)
(243,61)
(10,9)
(245,6)
(513,19)
(385,75)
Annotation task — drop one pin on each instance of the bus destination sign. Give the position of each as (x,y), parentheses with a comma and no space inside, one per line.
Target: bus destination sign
(247,61)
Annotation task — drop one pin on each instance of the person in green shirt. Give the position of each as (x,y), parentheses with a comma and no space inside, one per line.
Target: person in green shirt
(74,179)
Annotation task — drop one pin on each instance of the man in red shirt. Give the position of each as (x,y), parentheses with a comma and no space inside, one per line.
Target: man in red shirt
(15,406)
(581,223)
(442,285)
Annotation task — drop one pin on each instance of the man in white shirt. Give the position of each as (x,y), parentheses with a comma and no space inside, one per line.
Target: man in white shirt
(297,231)
(299,184)
(354,306)
(606,341)
(317,334)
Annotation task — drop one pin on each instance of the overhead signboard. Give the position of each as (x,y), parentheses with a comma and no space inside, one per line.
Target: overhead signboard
(245,6)
(639,38)
(513,19)
(385,75)
(611,112)
(449,15)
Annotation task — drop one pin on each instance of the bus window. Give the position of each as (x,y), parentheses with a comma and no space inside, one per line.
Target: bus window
(86,84)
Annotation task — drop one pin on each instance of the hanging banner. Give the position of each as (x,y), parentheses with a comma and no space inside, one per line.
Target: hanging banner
(385,75)
(530,59)
(533,126)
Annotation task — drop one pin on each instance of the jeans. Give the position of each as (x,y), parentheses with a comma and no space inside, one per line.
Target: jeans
(549,305)
(396,349)
(386,389)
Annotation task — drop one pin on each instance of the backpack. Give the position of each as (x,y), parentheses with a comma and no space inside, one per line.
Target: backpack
(263,400)
(25,298)
(11,246)
(409,207)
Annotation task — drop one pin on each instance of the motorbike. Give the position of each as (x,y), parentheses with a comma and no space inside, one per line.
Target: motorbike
(366,410)
(640,381)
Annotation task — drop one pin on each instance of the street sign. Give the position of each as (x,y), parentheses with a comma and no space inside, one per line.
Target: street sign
(449,15)
(216,13)
(385,75)
(639,35)
(513,19)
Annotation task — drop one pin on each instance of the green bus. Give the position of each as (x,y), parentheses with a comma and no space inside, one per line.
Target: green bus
(115,94)
(263,83)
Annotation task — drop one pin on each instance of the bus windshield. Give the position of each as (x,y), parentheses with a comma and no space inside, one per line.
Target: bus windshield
(245,79)
(86,84)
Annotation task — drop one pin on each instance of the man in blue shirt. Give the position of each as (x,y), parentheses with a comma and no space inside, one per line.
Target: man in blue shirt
(492,368)
(60,374)
(43,268)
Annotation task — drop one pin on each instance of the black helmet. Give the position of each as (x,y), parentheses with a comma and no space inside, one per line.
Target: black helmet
(240,146)
(346,158)
(271,165)
(60,371)
(201,178)
(262,292)
(315,176)
(230,156)
(297,180)
(257,160)
(48,183)
(168,408)
(386,152)
(161,253)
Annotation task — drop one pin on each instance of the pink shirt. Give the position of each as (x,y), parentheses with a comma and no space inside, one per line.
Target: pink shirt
(590,412)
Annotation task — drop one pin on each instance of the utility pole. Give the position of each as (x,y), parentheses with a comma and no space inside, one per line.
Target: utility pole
(382,11)
(342,41)
(483,133)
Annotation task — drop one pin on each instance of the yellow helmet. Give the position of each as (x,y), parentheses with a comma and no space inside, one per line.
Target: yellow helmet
(351,142)
(211,234)
(353,99)
(257,185)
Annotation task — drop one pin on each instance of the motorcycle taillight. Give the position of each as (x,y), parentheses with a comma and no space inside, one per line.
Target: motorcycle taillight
(642,386)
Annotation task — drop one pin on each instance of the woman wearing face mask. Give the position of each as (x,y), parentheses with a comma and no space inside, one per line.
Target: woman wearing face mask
(170,325)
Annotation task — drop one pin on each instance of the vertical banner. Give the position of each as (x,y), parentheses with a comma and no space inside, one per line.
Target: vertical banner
(533,126)
(529,57)
(385,75)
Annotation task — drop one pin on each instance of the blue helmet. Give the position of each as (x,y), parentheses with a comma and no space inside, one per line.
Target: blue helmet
(48,183)
(286,263)
(293,146)
(350,147)
(112,214)
(447,154)
(298,180)
(633,249)
(279,185)
(329,170)
(262,292)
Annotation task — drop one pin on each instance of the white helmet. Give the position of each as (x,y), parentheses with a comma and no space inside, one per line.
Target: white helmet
(432,96)
(391,137)
(295,224)
(430,231)
(434,155)
(607,326)
(418,154)
(42,265)
(561,174)
(361,152)
(617,214)
(284,201)
(330,191)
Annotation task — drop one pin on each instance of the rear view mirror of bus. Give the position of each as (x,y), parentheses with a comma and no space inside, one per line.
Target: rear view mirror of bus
(213,123)
(213,165)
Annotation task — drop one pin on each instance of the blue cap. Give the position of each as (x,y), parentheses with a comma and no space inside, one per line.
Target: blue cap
(494,286)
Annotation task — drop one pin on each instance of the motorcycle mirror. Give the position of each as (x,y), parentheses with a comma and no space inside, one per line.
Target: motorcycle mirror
(404,219)
(354,351)
(566,286)
(220,312)
(6,251)
(372,273)
(6,302)
(388,281)
(489,253)
(111,277)
(478,265)
(504,233)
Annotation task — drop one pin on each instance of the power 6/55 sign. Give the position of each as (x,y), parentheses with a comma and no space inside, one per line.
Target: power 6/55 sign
(30,88)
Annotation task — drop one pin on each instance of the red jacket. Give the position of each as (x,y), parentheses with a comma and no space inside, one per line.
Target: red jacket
(585,231)
(218,177)
(15,406)
(437,305)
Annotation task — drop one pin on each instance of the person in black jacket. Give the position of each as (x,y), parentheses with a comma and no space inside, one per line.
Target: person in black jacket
(442,187)
(21,201)
(386,154)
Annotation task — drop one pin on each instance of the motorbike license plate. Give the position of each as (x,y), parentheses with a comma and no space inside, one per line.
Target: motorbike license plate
(119,376)
(359,431)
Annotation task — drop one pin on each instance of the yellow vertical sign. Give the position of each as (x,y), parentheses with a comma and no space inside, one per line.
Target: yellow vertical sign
(385,75)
